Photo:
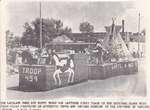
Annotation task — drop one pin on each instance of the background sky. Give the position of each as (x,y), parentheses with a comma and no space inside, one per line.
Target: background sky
(72,14)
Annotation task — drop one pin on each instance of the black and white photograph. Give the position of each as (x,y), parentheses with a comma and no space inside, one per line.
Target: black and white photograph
(74,49)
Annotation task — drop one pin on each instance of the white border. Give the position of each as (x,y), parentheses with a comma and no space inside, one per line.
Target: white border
(142,4)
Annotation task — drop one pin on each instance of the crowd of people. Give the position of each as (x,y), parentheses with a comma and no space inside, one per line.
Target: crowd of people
(35,56)
(32,55)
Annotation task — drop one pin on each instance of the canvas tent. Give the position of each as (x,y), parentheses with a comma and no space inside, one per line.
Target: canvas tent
(114,43)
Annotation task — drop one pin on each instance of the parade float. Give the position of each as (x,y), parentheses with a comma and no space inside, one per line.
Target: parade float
(119,61)
(67,66)
(65,62)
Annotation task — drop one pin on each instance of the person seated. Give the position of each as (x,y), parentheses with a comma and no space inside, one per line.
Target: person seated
(43,56)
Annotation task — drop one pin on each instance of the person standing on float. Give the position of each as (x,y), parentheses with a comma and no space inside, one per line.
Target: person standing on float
(99,52)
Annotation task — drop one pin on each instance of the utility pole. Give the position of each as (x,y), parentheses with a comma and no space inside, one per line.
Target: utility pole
(139,35)
(41,43)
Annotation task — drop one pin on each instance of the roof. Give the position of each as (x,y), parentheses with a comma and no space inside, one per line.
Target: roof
(71,43)
(62,38)
(87,37)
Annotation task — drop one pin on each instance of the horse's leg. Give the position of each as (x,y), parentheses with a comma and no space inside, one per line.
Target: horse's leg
(68,71)
(56,73)
(72,79)
(59,80)
(54,76)
(71,75)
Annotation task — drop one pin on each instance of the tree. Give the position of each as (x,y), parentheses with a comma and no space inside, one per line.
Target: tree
(50,29)
(67,30)
(58,25)
(8,39)
(28,36)
(86,27)
(11,40)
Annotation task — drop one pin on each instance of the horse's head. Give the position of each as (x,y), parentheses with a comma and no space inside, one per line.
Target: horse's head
(62,59)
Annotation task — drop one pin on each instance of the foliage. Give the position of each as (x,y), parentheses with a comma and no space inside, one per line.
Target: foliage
(50,29)
(86,27)
(11,40)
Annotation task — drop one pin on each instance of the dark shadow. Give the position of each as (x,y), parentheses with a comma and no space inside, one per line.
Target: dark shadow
(17,88)
(13,88)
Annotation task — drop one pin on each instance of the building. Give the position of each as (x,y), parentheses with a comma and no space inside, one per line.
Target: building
(86,37)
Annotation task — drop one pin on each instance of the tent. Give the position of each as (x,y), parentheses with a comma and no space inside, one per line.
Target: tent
(114,43)
(62,38)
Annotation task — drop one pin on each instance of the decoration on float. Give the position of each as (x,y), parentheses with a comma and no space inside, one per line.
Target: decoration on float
(63,65)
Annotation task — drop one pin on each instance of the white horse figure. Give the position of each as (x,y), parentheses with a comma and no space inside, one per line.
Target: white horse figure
(63,65)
